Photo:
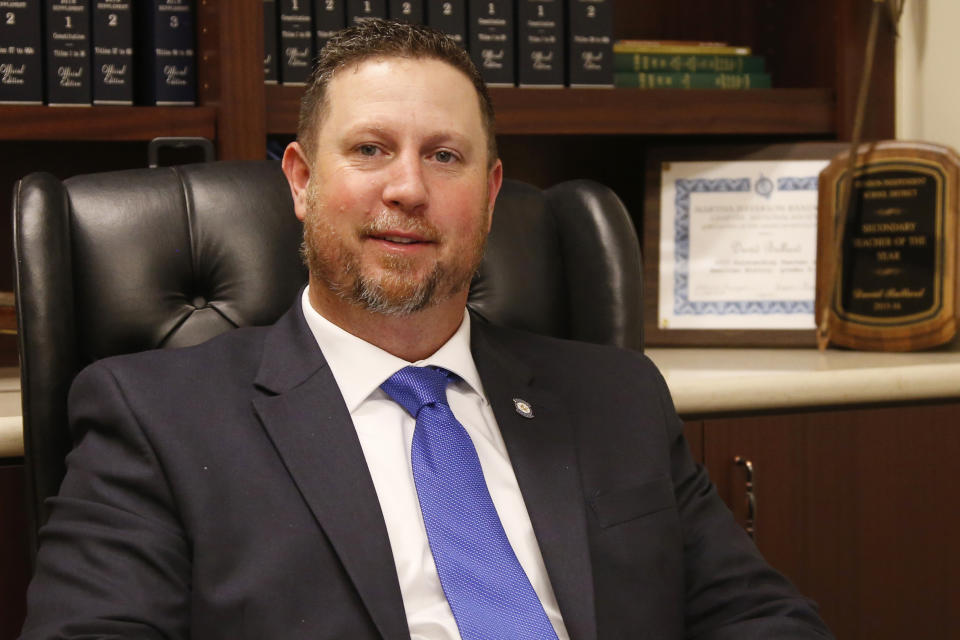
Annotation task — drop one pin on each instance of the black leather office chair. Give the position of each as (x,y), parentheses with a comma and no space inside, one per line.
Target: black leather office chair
(127,261)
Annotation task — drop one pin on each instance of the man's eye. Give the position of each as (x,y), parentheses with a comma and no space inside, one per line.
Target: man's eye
(368,149)
(444,156)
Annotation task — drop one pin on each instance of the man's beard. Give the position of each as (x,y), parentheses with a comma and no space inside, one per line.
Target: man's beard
(394,291)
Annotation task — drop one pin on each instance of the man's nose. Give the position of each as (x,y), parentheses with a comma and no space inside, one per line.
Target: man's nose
(405,187)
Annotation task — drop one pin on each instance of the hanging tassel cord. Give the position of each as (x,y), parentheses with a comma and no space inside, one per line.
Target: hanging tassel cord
(895,10)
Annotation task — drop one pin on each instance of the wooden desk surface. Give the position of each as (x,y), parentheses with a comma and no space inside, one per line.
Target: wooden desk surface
(705,381)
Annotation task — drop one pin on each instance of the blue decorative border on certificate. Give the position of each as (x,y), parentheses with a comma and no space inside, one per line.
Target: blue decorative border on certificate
(797,184)
(682,305)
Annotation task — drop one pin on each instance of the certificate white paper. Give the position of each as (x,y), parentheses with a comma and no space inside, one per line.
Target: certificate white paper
(738,244)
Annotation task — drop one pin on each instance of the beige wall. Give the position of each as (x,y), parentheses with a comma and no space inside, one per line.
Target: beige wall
(928,72)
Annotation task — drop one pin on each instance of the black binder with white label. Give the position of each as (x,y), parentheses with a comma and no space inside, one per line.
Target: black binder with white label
(296,41)
(68,52)
(271,49)
(450,17)
(169,65)
(113,52)
(540,34)
(491,26)
(21,54)
(360,10)
(411,11)
(329,16)
(590,43)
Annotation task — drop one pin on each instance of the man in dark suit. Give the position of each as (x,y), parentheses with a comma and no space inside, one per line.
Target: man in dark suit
(380,464)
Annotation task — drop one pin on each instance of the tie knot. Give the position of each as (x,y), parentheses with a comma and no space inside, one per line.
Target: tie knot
(415,387)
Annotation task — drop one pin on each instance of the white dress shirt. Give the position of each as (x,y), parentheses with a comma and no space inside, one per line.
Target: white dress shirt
(385,431)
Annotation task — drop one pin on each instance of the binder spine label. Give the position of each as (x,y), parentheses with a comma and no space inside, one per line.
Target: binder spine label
(21,52)
(329,16)
(450,17)
(591,43)
(171,57)
(540,43)
(270,49)
(411,11)
(112,52)
(491,27)
(360,10)
(68,52)
(296,41)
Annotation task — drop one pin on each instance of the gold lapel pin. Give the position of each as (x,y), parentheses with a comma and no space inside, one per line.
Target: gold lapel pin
(523,407)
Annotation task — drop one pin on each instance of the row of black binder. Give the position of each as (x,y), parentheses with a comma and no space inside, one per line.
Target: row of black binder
(536,43)
(110,52)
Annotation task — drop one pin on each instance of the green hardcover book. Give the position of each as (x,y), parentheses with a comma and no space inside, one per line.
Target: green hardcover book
(689,63)
(691,80)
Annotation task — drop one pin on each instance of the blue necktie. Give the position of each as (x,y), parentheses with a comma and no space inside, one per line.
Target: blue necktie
(488,591)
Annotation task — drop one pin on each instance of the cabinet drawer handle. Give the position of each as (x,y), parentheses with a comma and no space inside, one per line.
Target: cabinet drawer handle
(751,523)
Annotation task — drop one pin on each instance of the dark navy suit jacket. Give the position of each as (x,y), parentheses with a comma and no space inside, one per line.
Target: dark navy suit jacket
(220,491)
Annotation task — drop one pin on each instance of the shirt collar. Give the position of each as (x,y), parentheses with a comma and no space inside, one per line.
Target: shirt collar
(360,367)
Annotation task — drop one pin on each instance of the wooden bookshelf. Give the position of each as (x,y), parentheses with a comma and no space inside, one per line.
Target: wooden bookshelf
(105,123)
(630,111)
(812,50)
(283,108)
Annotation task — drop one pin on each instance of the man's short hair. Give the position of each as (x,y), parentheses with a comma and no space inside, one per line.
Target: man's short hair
(385,38)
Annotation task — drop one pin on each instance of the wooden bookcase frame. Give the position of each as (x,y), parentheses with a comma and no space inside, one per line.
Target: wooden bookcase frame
(814,50)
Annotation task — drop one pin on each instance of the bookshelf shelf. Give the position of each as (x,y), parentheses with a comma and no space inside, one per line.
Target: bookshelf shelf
(664,112)
(105,123)
(630,111)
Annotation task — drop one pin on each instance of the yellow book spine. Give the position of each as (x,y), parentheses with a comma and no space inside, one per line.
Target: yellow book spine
(626,47)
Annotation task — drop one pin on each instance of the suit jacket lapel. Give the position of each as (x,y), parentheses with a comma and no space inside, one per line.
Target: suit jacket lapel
(305,417)
(543,453)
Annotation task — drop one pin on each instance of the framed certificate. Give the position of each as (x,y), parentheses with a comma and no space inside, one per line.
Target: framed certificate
(730,247)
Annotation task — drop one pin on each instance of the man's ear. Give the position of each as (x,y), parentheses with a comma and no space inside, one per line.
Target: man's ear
(297,169)
(494,182)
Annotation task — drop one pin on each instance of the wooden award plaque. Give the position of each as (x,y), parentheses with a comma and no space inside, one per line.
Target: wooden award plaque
(887,274)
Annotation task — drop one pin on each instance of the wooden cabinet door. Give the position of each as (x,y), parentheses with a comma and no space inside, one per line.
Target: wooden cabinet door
(859,508)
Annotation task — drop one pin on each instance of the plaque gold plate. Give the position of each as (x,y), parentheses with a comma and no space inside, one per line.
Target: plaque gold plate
(887,274)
